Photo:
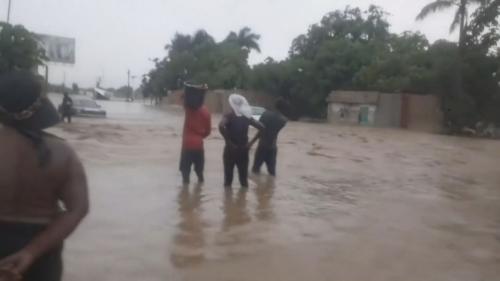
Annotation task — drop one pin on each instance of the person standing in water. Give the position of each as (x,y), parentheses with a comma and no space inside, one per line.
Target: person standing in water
(197,127)
(267,149)
(43,187)
(234,128)
(67,107)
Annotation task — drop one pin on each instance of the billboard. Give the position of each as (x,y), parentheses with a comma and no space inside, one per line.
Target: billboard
(57,49)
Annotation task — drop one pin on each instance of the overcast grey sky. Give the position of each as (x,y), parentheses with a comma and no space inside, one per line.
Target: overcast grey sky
(115,35)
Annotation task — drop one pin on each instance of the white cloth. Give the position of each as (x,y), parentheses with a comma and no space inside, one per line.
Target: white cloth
(240,105)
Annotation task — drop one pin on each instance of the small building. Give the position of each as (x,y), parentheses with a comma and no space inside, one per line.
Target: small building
(413,112)
(346,107)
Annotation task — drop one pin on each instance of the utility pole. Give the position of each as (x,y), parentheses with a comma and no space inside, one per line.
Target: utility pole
(8,12)
(128,78)
(129,90)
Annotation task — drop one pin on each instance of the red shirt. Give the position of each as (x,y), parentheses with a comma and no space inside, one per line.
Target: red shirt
(197,126)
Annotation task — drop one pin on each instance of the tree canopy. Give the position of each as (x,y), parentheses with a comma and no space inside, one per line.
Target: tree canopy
(353,49)
(18,49)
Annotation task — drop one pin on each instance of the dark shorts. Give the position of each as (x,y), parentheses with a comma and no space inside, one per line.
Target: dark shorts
(265,155)
(191,158)
(15,236)
(235,157)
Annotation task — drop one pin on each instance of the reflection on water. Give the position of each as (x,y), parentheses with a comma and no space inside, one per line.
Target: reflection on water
(309,225)
(235,208)
(189,240)
(264,194)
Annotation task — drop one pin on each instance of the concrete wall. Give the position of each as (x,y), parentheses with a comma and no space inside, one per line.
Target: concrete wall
(422,113)
(348,114)
(217,100)
(388,113)
(413,112)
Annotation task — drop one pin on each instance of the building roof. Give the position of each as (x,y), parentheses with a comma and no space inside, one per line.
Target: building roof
(353,97)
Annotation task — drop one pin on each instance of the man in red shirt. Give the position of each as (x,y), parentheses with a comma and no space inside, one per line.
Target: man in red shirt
(197,126)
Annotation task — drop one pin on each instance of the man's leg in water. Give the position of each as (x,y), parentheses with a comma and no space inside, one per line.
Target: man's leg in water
(199,164)
(242,164)
(185,165)
(272,153)
(258,160)
(228,158)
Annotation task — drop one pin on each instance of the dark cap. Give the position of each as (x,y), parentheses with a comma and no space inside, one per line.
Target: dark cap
(22,103)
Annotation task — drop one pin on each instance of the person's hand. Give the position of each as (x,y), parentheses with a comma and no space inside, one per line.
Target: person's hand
(7,275)
(248,146)
(232,146)
(16,264)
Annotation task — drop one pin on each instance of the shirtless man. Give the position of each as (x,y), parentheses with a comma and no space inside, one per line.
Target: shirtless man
(43,188)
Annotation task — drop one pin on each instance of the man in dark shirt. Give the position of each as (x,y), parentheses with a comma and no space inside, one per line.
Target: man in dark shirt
(267,149)
(67,107)
(234,128)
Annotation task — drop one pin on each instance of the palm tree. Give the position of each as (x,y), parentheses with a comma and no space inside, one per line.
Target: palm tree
(461,14)
(245,38)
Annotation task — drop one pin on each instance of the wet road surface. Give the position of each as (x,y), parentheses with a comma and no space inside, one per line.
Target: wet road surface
(348,204)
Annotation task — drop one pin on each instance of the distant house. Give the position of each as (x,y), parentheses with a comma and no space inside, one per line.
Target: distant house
(348,107)
(414,112)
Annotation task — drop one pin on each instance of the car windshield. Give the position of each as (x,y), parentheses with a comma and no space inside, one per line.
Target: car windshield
(86,103)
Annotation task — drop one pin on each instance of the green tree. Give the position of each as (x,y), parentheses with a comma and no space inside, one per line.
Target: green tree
(18,49)
(198,58)
(461,13)
(245,38)
(483,31)
(124,92)
(75,88)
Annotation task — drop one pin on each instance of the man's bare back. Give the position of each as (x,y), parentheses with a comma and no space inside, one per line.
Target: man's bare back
(28,192)
(43,187)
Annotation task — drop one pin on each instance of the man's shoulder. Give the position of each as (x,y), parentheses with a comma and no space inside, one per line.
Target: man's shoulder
(59,145)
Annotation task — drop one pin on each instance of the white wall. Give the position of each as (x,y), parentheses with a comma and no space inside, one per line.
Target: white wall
(349,113)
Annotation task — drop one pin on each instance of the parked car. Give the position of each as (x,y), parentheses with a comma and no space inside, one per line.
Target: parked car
(86,107)
(257,112)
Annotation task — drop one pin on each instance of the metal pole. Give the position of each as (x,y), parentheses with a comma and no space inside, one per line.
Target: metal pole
(129,92)
(8,12)
(128,78)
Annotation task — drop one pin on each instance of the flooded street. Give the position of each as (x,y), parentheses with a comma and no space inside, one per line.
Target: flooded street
(348,204)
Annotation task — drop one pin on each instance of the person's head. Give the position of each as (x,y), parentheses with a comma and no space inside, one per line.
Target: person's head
(194,95)
(66,94)
(22,103)
(240,105)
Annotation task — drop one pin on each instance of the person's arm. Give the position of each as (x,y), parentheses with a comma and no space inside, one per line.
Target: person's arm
(208,125)
(257,125)
(223,131)
(74,195)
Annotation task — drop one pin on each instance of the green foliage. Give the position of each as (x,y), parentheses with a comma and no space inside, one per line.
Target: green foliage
(331,55)
(75,88)
(199,59)
(484,31)
(352,49)
(124,92)
(18,49)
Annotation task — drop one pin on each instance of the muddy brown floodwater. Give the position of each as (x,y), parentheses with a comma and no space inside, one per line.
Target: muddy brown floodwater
(348,204)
